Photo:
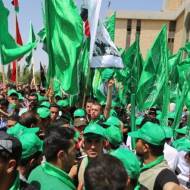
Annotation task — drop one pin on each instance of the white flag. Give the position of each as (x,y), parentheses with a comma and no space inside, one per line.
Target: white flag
(93,17)
(105,53)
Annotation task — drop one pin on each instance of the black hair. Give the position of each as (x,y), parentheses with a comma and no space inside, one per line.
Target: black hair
(156,150)
(4,102)
(29,119)
(59,122)
(56,139)
(54,106)
(16,153)
(101,175)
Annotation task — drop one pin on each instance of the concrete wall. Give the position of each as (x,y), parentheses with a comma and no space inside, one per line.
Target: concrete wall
(121,32)
(179,38)
(172,5)
(149,30)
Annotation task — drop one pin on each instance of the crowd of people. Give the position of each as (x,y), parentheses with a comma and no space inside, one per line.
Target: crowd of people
(46,144)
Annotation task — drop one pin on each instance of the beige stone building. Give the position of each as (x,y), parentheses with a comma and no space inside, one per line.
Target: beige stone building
(175,13)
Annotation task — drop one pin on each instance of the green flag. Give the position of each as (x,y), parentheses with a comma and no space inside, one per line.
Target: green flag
(64,31)
(153,75)
(133,64)
(10,50)
(32,39)
(110,25)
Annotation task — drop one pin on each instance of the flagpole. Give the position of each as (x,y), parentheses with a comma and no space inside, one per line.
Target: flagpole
(132,117)
(3,74)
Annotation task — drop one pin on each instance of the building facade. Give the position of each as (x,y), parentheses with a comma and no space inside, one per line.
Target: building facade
(175,14)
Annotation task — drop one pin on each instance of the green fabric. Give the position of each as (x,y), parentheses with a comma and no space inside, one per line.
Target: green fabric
(85,72)
(114,135)
(50,177)
(182,130)
(180,104)
(94,128)
(107,74)
(9,54)
(63,103)
(20,97)
(151,133)
(30,144)
(16,184)
(113,121)
(11,92)
(43,112)
(45,104)
(17,130)
(139,120)
(10,50)
(168,131)
(152,164)
(64,31)
(79,113)
(154,72)
(32,39)
(110,25)
(182,144)
(129,160)
(133,64)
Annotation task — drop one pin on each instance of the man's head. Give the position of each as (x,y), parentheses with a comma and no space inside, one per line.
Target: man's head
(13,97)
(94,136)
(105,172)
(10,155)
(59,147)
(33,100)
(54,109)
(96,111)
(150,140)
(88,106)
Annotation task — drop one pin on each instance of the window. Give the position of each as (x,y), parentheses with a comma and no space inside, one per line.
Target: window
(138,27)
(128,37)
(171,35)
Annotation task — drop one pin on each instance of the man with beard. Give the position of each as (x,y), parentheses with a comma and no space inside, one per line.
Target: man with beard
(155,173)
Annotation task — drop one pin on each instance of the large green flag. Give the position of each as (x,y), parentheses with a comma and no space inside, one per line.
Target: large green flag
(64,31)
(10,50)
(85,79)
(133,64)
(110,25)
(154,73)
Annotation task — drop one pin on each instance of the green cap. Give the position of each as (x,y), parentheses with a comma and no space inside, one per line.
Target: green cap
(63,103)
(182,131)
(79,113)
(41,98)
(115,104)
(113,113)
(11,92)
(43,112)
(139,120)
(45,104)
(151,133)
(59,94)
(20,97)
(114,135)
(17,130)
(182,144)
(129,160)
(30,144)
(168,132)
(171,115)
(94,129)
(107,74)
(113,121)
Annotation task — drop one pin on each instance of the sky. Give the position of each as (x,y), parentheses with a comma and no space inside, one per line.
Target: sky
(31,10)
